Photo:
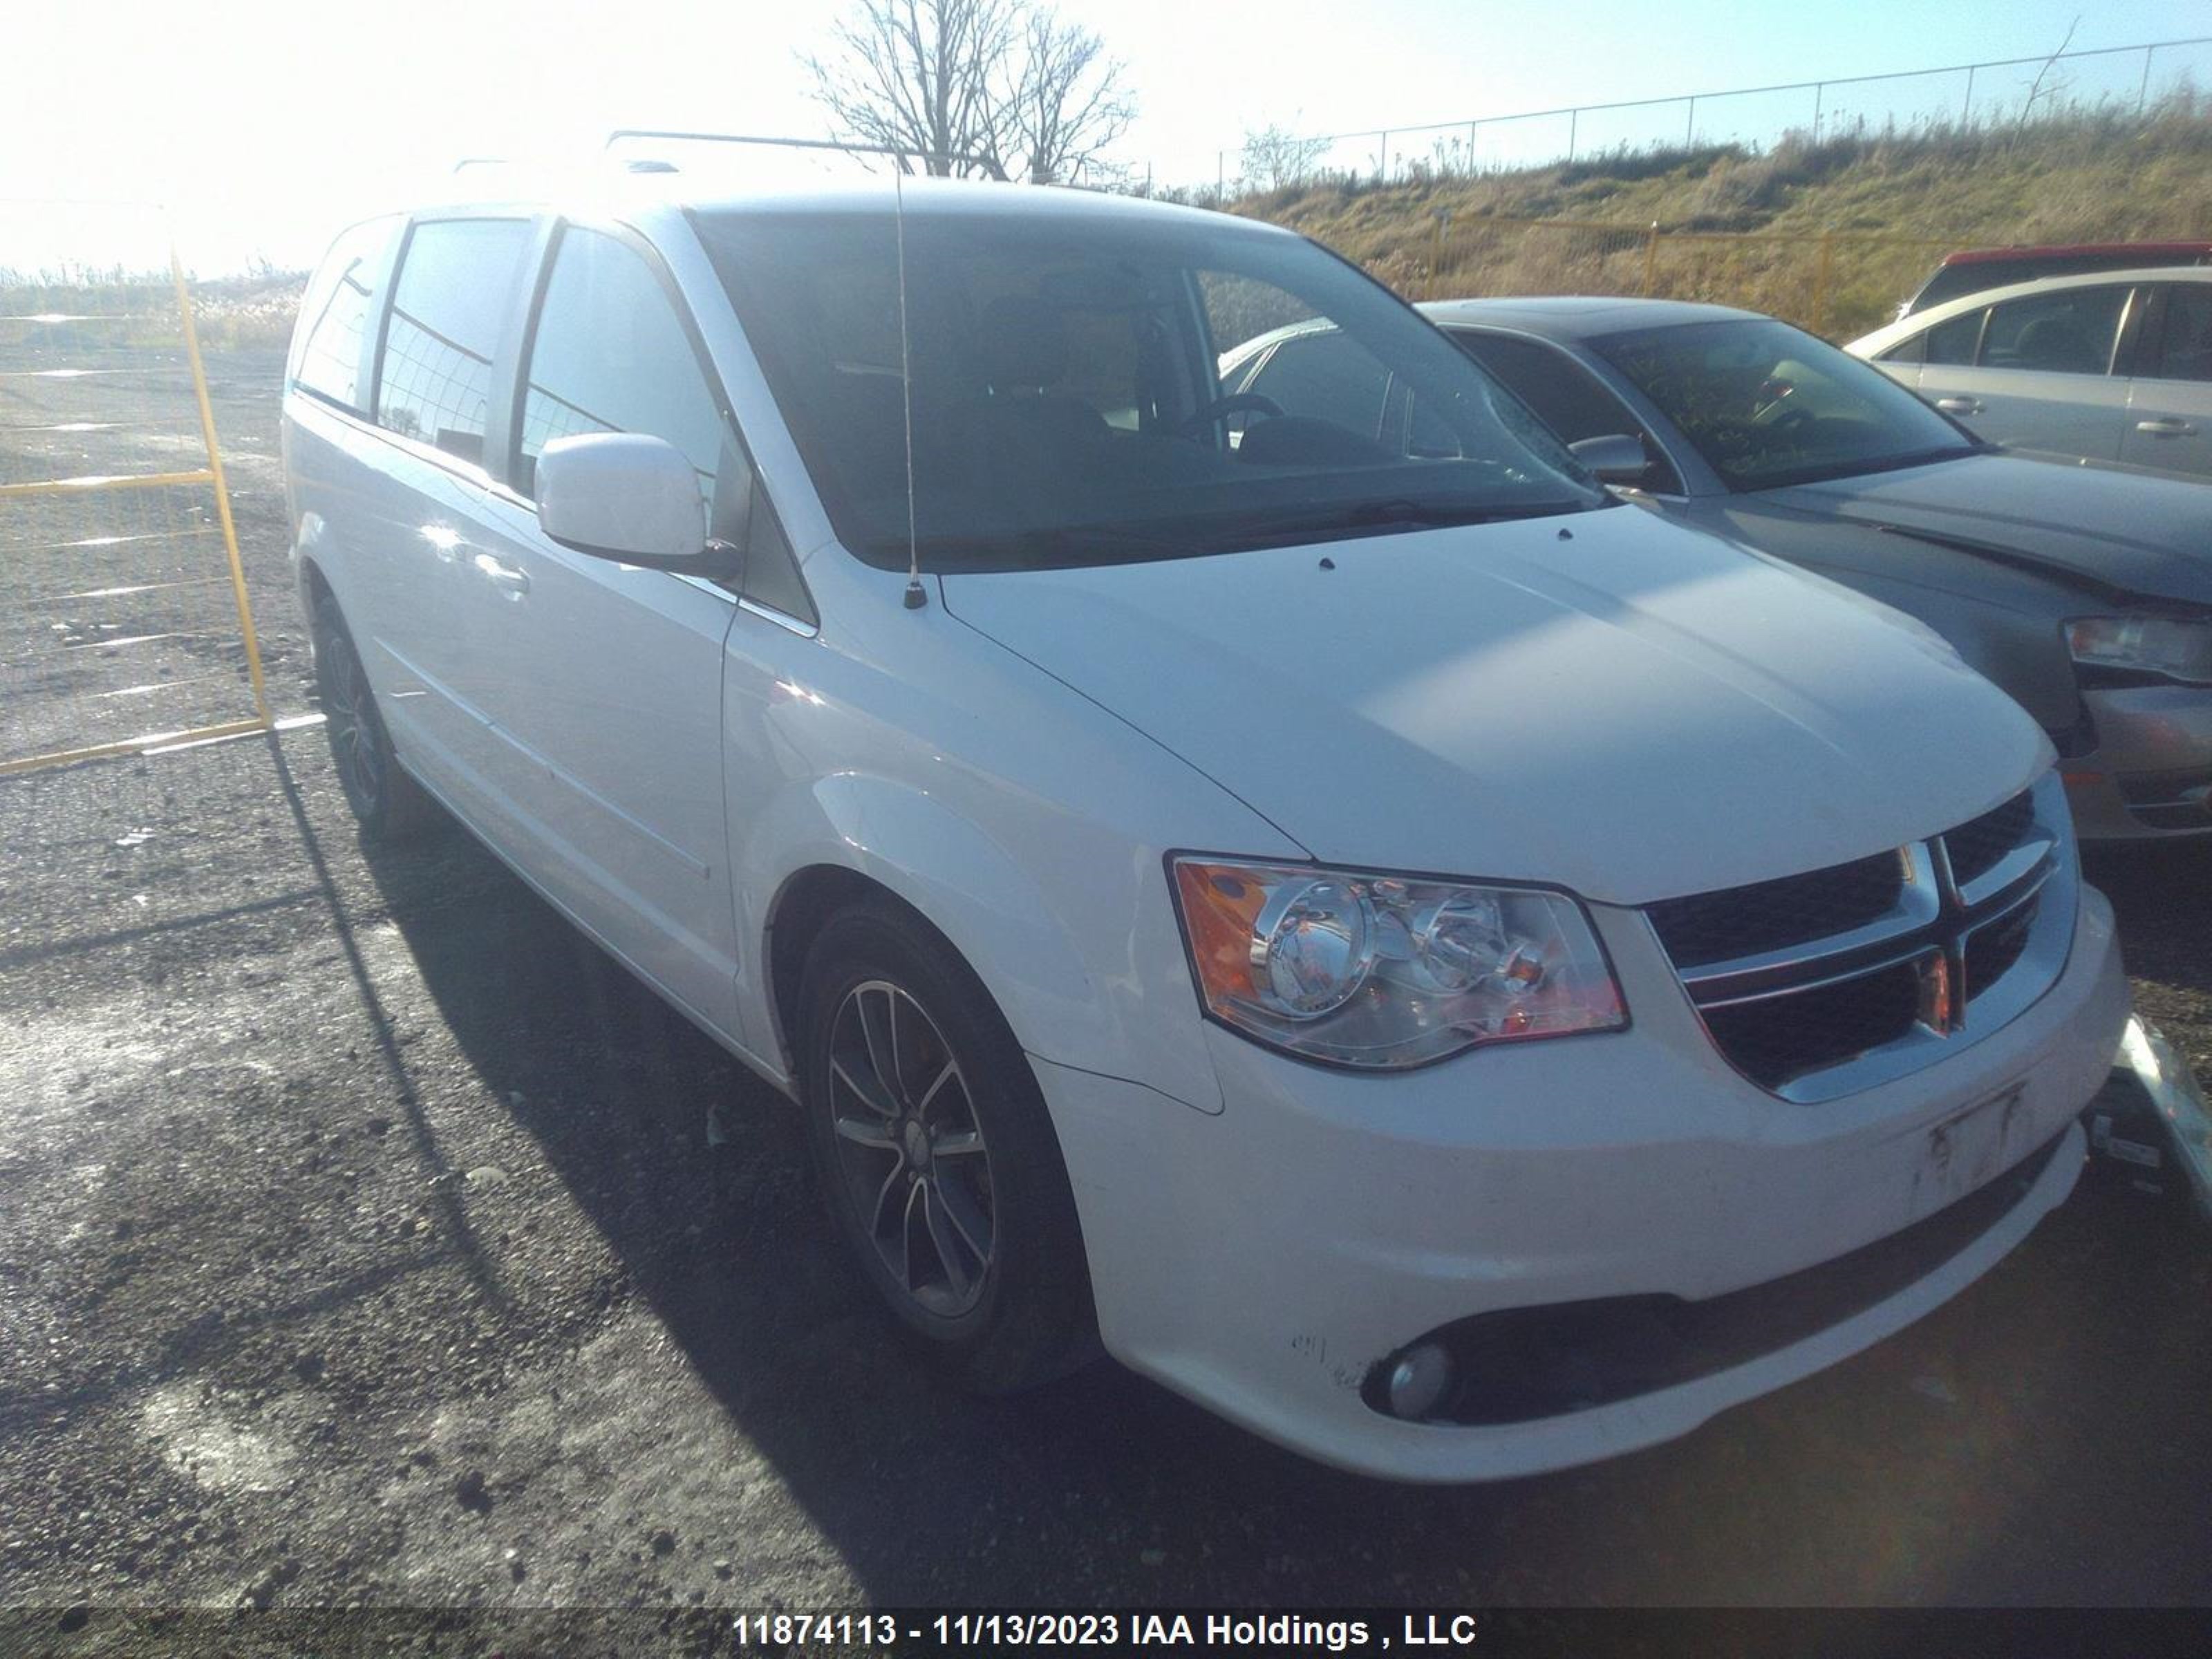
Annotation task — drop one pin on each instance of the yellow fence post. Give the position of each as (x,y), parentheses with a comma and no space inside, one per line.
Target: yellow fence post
(221,489)
(1823,274)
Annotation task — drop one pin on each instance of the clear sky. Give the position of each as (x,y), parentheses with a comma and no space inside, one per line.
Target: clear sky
(268,122)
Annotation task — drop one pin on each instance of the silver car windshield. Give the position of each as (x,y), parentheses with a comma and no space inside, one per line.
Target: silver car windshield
(1088,387)
(1767,404)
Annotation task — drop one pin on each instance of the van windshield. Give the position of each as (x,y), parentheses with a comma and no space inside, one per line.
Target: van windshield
(1088,387)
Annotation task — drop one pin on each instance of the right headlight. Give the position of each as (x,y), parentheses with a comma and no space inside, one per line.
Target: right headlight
(2173,647)
(1377,971)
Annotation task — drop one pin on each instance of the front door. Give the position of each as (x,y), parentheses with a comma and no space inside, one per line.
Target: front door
(2043,379)
(2169,423)
(604,685)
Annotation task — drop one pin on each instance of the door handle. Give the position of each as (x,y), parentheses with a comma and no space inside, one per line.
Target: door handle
(511,580)
(2166,427)
(1960,405)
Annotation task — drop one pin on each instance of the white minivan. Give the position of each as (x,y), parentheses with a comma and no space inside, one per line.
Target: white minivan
(1451,972)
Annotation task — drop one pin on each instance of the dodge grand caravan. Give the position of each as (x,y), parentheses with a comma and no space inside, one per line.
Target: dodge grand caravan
(1456,974)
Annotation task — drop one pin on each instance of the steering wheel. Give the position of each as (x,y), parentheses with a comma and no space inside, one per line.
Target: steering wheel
(1221,408)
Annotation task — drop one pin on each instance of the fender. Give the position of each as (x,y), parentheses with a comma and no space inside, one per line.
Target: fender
(1072,987)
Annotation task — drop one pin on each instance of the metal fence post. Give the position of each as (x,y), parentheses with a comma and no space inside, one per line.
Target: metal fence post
(1820,96)
(1966,109)
(1574,121)
(1472,127)
(221,489)
(2143,98)
(1823,274)
(1651,256)
(1382,159)
(1690,127)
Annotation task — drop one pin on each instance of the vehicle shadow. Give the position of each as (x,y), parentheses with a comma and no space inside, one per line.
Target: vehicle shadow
(1106,1489)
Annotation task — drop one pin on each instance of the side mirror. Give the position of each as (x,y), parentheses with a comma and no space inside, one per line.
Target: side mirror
(1617,460)
(626,496)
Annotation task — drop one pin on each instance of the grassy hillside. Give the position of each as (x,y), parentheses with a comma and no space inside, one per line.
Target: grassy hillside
(1894,204)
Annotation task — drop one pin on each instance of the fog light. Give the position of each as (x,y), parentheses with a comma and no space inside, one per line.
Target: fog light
(1418,1380)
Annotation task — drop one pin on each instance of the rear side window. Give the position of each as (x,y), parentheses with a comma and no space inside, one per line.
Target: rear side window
(2067,333)
(334,315)
(456,283)
(2185,347)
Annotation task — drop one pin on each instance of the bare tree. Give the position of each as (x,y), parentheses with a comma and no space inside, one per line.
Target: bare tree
(1274,157)
(975,86)
(1067,101)
(2056,91)
(920,75)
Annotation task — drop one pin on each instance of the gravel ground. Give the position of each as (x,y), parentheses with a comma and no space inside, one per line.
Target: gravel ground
(361,1242)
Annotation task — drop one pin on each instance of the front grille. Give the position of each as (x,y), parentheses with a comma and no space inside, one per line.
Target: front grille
(1824,1025)
(1769,915)
(1994,949)
(1976,846)
(1880,960)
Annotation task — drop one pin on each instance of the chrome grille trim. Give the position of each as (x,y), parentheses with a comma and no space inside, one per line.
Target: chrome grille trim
(1933,925)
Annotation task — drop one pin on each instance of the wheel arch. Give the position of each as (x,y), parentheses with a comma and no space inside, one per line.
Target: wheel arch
(845,837)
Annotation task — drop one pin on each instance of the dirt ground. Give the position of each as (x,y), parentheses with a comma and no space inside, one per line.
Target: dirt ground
(362,1243)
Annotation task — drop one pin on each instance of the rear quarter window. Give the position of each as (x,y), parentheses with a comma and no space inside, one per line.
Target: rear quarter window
(337,314)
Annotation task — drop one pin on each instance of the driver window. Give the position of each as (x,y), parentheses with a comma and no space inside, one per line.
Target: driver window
(1325,376)
(611,354)
(2070,331)
(1565,396)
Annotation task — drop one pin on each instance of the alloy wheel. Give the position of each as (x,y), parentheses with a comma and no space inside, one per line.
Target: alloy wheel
(910,1149)
(350,719)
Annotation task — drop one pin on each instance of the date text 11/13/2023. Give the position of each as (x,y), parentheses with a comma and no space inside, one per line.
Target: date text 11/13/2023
(1257,1632)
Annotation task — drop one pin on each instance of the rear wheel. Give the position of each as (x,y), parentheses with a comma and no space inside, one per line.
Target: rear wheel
(388,803)
(936,1155)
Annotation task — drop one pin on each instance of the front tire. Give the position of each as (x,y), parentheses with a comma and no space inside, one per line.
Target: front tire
(389,804)
(936,1155)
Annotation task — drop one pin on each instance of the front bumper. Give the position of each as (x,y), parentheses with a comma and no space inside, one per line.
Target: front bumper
(2152,760)
(1264,1260)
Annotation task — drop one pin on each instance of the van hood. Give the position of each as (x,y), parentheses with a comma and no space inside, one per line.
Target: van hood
(2122,533)
(1602,701)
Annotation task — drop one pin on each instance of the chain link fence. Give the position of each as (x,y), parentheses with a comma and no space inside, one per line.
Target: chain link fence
(1993,93)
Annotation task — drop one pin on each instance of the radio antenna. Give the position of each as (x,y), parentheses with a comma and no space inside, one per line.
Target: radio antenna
(915,598)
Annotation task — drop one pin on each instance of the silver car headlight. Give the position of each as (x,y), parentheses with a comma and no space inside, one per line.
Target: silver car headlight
(2175,647)
(1377,971)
